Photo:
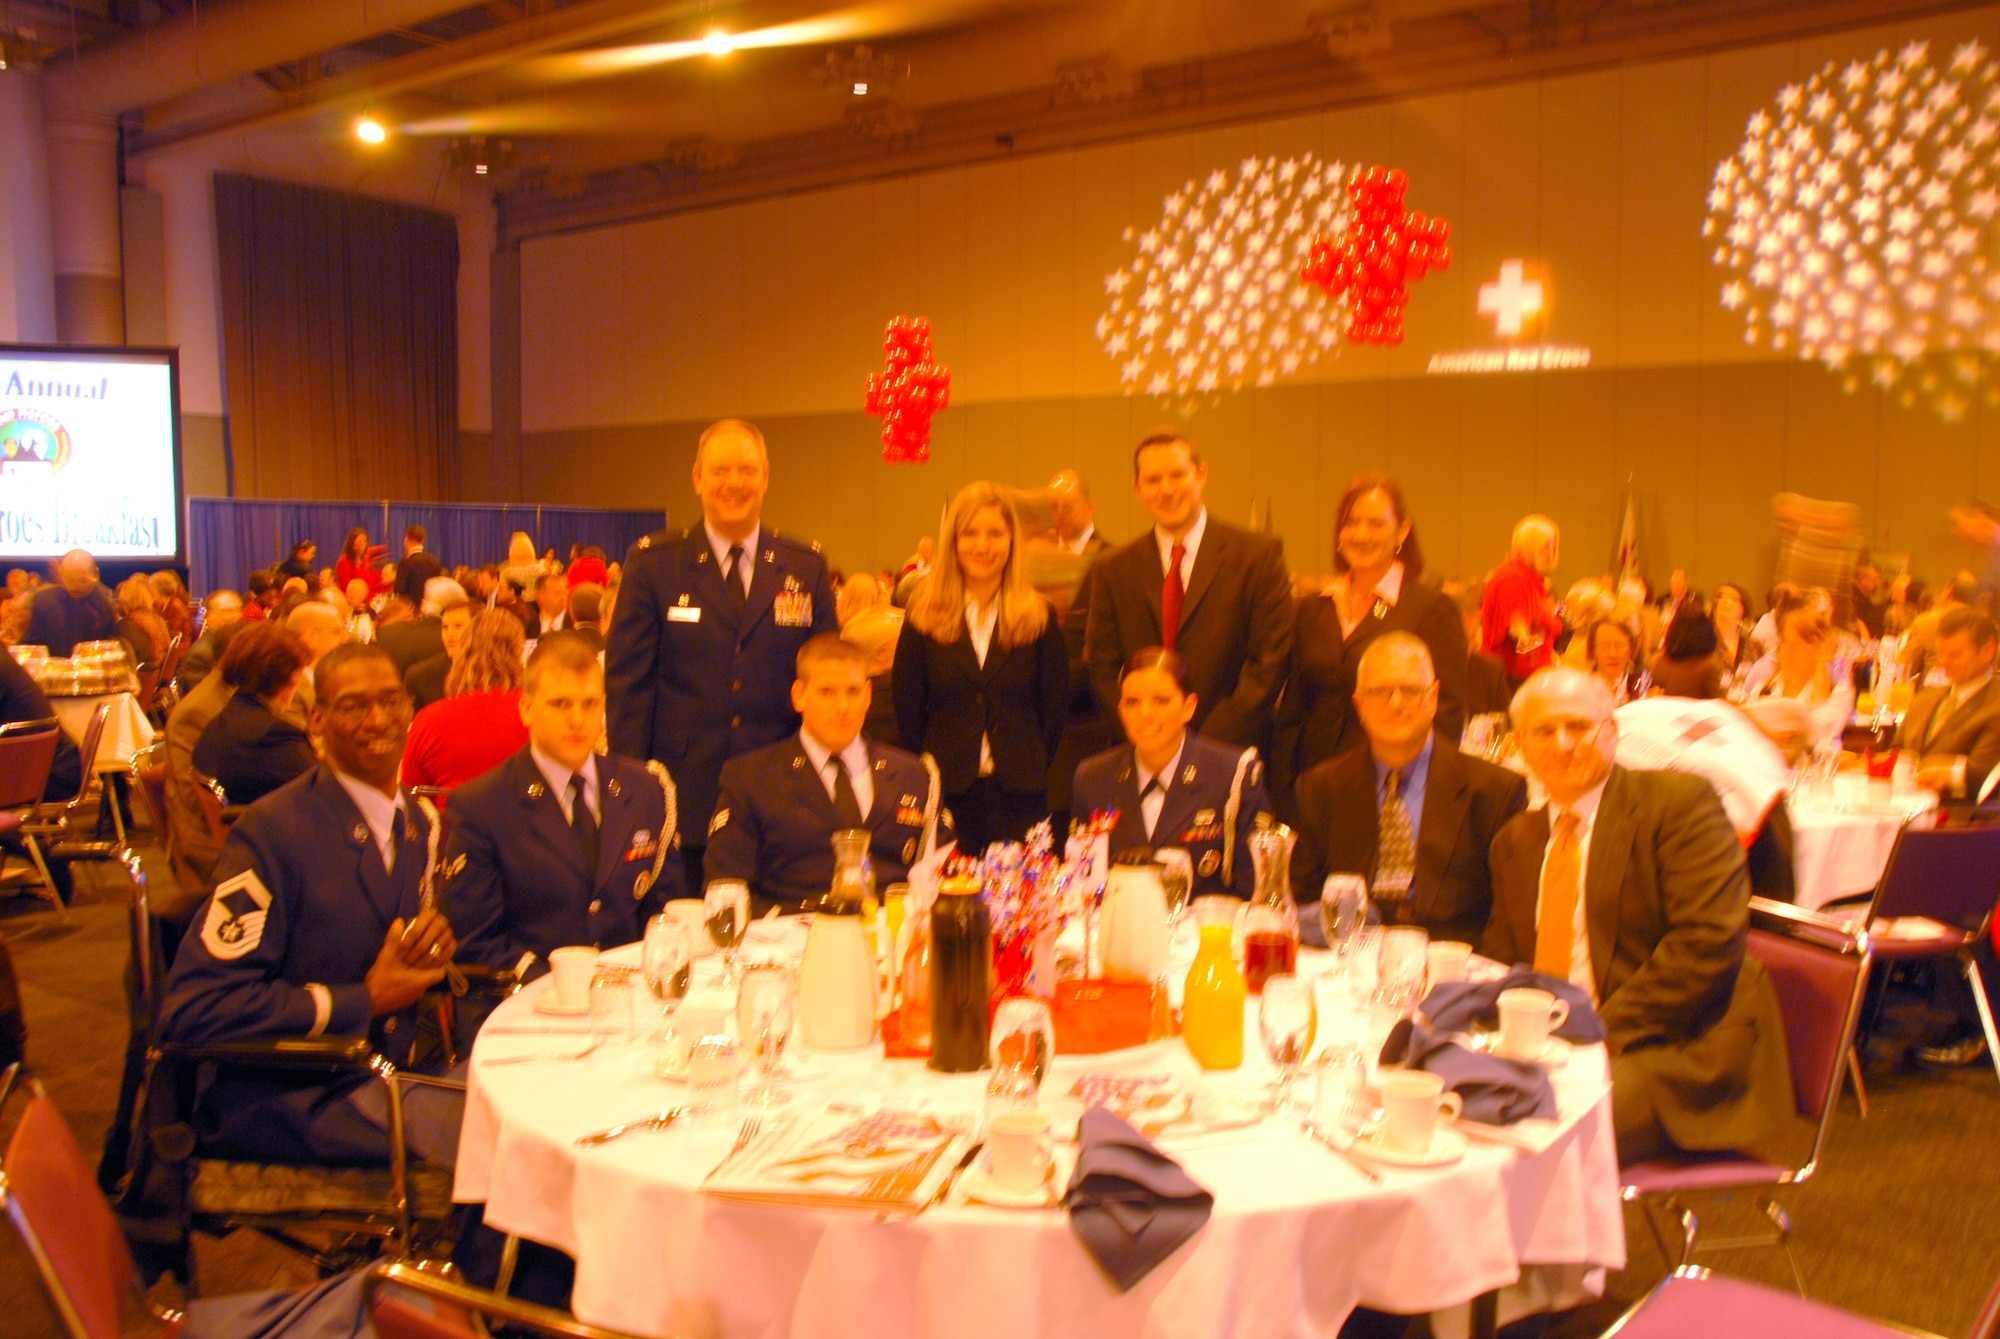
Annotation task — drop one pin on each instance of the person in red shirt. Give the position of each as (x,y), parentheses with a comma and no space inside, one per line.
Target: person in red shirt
(360,562)
(477,726)
(1518,619)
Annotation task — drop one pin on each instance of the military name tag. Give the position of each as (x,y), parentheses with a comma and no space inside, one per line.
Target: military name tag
(683,613)
(792,609)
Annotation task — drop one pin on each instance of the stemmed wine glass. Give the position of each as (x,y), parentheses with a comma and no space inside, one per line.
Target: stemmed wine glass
(1177,882)
(1405,959)
(1024,1041)
(667,962)
(1288,1022)
(765,1007)
(725,910)
(1343,911)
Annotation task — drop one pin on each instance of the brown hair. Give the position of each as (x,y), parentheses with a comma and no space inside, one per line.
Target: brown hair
(490,659)
(1156,657)
(1598,625)
(562,650)
(1970,620)
(1168,436)
(828,648)
(1409,553)
(263,660)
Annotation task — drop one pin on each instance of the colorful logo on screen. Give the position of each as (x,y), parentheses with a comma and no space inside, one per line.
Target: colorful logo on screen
(32,443)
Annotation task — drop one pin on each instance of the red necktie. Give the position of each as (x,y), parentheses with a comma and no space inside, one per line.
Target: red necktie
(1170,598)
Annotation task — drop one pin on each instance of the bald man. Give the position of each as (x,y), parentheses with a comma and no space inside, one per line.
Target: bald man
(1632,887)
(79,609)
(320,626)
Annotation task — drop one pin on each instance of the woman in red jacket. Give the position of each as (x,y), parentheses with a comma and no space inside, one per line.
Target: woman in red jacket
(477,725)
(358,563)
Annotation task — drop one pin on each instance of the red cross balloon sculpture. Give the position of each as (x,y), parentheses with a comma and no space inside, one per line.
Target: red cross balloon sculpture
(911,389)
(1384,250)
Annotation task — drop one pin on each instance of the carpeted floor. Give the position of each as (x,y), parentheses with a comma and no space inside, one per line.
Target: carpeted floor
(1894,1225)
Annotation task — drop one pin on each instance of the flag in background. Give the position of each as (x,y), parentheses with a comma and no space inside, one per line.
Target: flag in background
(1625,559)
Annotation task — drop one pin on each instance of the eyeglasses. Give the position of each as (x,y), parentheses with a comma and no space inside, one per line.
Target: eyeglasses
(351,710)
(1397,693)
(1572,733)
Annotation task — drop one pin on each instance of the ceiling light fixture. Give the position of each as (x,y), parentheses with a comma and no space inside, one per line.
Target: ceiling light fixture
(369,130)
(718,43)
(862,72)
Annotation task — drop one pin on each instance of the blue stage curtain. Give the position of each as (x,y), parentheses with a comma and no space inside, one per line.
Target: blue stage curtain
(229,538)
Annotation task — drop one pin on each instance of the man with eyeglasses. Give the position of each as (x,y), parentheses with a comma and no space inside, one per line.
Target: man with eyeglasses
(1632,886)
(1410,814)
(322,925)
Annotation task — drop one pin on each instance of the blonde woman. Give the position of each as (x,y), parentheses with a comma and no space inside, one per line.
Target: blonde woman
(477,726)
(981,676)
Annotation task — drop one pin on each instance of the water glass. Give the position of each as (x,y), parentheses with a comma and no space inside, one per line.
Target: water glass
(1405,960)
(725,911)
(1364,963)
(766,1005)
(610,1007)
(1341,1099)
(668,963)
(1176,881)
(1287,1021)
(1343,910)
(712,1075)
(1024,1042)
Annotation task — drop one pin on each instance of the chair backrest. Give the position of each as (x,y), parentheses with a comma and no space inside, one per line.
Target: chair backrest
(170,661)
(1819,968)
(1949,874)
(27,752)
(149,779)
(208,793)
(93,736)
(51,1195)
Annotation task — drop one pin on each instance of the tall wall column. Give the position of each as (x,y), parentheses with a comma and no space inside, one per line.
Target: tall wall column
(83,205)
(27,265)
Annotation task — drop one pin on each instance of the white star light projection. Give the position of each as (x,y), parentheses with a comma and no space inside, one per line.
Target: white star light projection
(1855,223)
(1211,298)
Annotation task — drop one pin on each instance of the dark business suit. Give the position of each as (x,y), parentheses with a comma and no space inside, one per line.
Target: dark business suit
(1697,1043)
(1466,802)
(1194,815)
(1092,727)
(411,574)
(1318,720)
(1235,629)
(946,701)
(774,823)
(408,643)
(1486,687)
(1972,730)
(251,751)
(425,680)
(538,627)
(692,678)
(302,904)
(516,880)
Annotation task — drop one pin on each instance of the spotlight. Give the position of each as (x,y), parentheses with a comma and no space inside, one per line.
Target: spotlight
(718,43)
(370,131)
(861,90)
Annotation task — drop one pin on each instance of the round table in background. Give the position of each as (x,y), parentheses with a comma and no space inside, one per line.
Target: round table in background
(1298,1237)
(1843,834)
(126,729)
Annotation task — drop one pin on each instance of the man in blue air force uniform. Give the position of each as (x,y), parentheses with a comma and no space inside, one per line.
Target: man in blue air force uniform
(699,657)
(559,845)
(321,924)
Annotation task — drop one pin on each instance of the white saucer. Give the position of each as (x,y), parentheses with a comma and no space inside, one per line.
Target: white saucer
(1447,1147)
(979,1187)
(1555,1052)
(546,1003)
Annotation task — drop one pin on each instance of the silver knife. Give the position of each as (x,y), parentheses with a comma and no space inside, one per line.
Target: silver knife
(951,1177)
(1326,1141)
(658,1122)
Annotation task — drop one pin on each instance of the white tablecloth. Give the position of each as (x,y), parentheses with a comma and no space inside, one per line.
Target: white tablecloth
(126,729)
(1844,835)
(1297,1239)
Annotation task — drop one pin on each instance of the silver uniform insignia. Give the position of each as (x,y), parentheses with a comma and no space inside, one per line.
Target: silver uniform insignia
(1210,863)
(613,787)
(360,832)
(236,914)
(1187,775)
(536,790)
(1203,817)
(454,868)
(719,822)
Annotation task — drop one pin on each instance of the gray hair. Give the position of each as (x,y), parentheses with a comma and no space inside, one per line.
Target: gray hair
(1395,644)
(1559,679)
(439,592)
(1533,534)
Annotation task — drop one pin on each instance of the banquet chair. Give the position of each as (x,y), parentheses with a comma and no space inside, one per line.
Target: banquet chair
(1953,882)
(145,976)
(166,694)
(54,823)
(1693,1301)
(27,752)
(408,1303)
(1819,969)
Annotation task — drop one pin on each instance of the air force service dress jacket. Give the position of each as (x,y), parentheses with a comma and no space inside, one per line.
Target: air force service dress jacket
(695,678)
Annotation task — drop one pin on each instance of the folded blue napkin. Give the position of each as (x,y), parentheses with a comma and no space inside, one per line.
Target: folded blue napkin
(1129,1204)
(1462,1006)
(1493,1089)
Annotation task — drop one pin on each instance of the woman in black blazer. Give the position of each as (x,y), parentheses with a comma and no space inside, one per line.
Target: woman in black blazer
(248,747)
(991,717)
(1377,588)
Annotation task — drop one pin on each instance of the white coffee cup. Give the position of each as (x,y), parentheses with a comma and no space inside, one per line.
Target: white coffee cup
(1019,1149)
(1526,1016)
(1412,1101)
(572,968)
(1447,962)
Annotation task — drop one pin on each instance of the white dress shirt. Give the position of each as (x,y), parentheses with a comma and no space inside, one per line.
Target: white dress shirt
(1190,543)
(1353,608)
(1585,809)
(855,755)
(1078,544)
(979,631)
(1151,805)
(720,548)
(558,778)
(379,812)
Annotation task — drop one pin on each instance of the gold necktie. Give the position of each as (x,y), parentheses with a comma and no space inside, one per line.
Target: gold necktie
(1562,885)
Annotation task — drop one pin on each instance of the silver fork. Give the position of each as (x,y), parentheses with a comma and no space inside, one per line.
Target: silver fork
(547,1055)
(743,1137)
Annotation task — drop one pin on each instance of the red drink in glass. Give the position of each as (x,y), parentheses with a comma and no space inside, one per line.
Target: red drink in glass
(1268,953)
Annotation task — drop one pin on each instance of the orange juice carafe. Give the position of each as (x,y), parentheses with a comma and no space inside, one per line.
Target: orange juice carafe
(1212,1004)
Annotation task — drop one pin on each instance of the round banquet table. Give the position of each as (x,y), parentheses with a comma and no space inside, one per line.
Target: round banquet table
(126,729)
(1843,834)
(1298,1237)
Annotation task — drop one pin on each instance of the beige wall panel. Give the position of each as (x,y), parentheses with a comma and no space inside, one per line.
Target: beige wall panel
(1047,441)
(1580,172)
(1284,471)
(1053,330)
(1577,480)
(1428,137)
(1659,418)
(1662,260)
(1225,430)
(1738,83)
(1741,444)
(1494,461)
(1831,439)
(1102,204)
(996,285)
(1426,422)
(774,301)
(1926,466)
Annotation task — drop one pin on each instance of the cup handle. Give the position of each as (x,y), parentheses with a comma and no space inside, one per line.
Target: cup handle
(1558,1014)
(1451,1106)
